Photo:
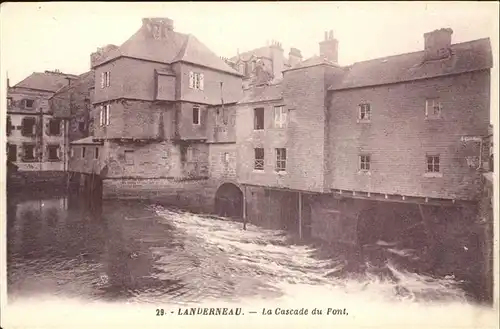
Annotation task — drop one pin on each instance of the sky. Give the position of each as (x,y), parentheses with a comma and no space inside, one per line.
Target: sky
(61,35)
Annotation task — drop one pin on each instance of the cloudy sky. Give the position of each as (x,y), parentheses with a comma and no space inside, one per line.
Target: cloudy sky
(47,36)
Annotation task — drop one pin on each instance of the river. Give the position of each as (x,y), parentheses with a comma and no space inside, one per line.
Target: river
(71,262)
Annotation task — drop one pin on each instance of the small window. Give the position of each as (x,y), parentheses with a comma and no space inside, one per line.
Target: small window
(196,115)
(28,126)
(54,127)
(9,101)
(28,103)
(280,117)
(129,157)
(258,119)
(53,152)
(364,112)
(196,80)
(9,125)
(81,126)
(29,152)
(433,164)
(84,152)
(433,109)
(105,79)
(364,162)
(72,152)
(12,155)
(225,157)
(280,159)
(259,159)
(96,153)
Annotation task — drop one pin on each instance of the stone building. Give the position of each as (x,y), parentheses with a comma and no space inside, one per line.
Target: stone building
(35,137)
(150,103)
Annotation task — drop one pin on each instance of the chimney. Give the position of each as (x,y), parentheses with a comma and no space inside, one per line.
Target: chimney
(294,57)
(328,48)
(158,27)
(437,44)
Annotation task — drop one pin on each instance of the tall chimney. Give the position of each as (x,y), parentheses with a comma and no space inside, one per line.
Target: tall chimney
(437,44)
(328,48)
(158,27)
(294,57)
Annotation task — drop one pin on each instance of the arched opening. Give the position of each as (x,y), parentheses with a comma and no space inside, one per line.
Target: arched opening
(229,201)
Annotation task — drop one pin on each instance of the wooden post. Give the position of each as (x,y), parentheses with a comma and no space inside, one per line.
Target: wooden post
(300,215)
(244,207)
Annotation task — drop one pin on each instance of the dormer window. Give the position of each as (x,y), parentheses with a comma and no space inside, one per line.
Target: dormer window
(28,103)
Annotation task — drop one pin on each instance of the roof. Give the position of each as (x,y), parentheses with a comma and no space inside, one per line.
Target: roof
(48,81)
(262,94)
(313,61)
(466,57)
(86,141)
(174,47)
(82,78)
(257,52)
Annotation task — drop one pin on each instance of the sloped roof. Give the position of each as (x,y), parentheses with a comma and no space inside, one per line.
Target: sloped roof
(313,61)
(262,94)
(48,81)
(466,57)
(87,77)
(173,47)
(257,52)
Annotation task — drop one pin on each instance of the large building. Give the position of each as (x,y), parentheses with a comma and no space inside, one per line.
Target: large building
(35,137)
(307,145)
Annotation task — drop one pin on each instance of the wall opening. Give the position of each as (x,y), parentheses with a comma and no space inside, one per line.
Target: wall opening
(229,201)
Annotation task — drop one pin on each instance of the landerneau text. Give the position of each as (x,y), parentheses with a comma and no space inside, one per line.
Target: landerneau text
(209,311)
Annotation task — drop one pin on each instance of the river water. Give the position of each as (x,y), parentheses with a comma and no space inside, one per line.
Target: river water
(74,263)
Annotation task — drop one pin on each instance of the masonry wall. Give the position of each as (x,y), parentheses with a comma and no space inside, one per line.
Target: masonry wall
(221,167)
(136,119)
(398,137)
(211,94)
(221,124)
(92,162)
(185,128)
(129,78)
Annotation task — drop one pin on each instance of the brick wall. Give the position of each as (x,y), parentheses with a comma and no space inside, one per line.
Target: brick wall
(398,136)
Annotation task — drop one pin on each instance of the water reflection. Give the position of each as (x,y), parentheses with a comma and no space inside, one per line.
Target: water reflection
(75,246)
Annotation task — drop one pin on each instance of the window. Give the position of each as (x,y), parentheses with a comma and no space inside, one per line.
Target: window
(225,159)
(104,119)
(28,126)
(28,103)
(433,109)
(280,159)
(258,119)
(81,126)
(105,79)
(259,159)
(280,116)
(83,152)
(364,112)
(9,125)
(196,115)
(72,152)
(364,162)
(9,101)
(12,153)
(54,127)
(129,157)
(28,152)
(433,163)
(196,80)
(53,152)
(96,153)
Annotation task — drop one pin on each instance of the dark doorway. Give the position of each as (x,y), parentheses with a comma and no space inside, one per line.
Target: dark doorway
(229,201)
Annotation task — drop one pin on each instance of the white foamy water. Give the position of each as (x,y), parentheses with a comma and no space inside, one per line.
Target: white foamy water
(217,264)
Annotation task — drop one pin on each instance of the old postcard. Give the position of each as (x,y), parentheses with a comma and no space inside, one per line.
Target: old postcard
(249,165)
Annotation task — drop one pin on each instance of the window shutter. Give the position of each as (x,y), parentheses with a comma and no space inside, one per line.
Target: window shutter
(108,80)
(201,81)
(191,80)
(102,79)
(107,114)
(101,115)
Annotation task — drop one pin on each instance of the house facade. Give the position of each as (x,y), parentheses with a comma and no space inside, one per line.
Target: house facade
(35,138)
(151,99)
